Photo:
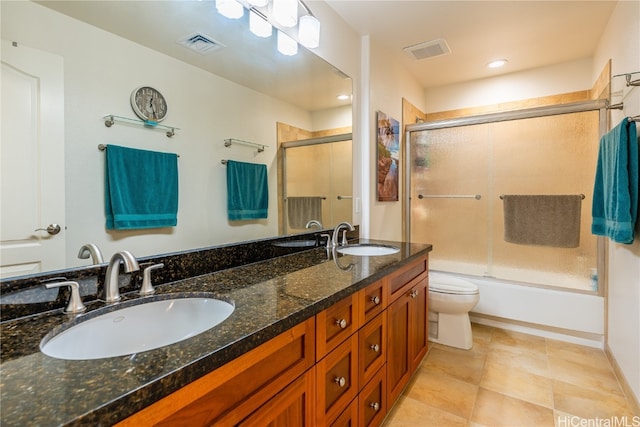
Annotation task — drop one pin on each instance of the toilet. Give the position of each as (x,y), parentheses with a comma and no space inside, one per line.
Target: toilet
(450,300)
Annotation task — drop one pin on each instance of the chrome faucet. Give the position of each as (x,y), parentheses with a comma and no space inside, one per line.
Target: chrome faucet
(91,250)
(111,287)
(312,223)
(336,231)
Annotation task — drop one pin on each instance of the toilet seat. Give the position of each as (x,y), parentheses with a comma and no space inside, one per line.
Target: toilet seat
(446,284)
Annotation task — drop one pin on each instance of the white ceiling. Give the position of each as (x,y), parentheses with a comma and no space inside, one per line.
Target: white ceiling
(530,34)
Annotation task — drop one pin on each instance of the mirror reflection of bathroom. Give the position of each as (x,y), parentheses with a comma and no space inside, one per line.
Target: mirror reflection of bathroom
(316,186)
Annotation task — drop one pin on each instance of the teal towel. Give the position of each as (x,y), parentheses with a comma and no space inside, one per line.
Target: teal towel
(247,191)
(141,188)
(615,193)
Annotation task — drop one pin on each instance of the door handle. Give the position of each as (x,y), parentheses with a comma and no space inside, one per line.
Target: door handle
(52,229)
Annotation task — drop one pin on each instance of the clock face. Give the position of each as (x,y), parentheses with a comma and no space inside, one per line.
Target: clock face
(148,104)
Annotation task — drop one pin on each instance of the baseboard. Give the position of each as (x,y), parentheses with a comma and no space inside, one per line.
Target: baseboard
(560,334)
(626,388)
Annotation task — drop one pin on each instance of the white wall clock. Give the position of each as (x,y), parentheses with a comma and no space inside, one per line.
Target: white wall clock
(148,104)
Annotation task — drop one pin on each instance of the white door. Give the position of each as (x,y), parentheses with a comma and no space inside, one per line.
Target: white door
(31,161)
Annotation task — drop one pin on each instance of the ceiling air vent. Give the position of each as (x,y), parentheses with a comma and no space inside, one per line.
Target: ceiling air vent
(428,49)
(201,43)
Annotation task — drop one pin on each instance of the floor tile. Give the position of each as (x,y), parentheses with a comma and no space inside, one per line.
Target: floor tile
(512,379)
(591,377)
(518,383)
(443,392)
(495,409)
(410,412)
(465,366)
(587,403)
(509,357)
(517,341)
(588,356)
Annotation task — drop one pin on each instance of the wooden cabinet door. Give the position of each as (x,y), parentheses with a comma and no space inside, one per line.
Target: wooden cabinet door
(418,323)
(293,406)
(398,367)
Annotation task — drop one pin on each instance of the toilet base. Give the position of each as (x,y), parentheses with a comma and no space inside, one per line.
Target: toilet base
(454,330)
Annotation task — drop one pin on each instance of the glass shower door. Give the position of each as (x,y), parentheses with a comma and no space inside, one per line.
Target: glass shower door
(535,156)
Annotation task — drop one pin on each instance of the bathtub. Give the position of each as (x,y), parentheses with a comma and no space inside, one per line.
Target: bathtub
(563,315)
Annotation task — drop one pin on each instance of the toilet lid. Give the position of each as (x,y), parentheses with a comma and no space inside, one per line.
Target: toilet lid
(446,284)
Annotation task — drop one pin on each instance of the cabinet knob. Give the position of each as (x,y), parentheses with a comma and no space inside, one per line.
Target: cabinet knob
(374,405)
(342,323)
(375,300)
(375,347)
(341,381)
(413,293)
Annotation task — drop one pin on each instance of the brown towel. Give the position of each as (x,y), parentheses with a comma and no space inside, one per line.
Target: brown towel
(303,209)
(542,220)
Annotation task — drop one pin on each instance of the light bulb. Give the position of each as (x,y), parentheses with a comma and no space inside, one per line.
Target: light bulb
(230,9)
(259,25)
(286,45)
(285,12)
(309,31)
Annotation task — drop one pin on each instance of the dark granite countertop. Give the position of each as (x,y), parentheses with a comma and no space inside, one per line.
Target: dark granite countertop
(269,296)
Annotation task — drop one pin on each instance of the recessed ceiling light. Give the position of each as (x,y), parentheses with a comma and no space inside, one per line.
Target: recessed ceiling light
(343,97)
(497,63)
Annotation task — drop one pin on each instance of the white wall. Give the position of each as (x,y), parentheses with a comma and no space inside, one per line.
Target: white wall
(101,70)
(621,43)
(389,84)
(552,80)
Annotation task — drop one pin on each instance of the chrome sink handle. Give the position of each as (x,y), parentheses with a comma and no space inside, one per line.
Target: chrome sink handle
(75,305)
(147,287)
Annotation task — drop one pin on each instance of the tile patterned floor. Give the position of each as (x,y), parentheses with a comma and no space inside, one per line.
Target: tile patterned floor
(516,380)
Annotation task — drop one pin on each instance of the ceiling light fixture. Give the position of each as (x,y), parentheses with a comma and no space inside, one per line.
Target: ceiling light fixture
(309,31)
(343,97)
(497,63)
(259,25)
(230,8)
(285,12)
(281,14)
(286,45)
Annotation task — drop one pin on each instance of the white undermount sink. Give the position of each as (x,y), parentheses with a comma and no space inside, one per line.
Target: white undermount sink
(137,328)
(367,249)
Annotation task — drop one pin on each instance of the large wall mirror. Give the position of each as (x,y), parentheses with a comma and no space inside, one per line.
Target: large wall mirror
(220,82)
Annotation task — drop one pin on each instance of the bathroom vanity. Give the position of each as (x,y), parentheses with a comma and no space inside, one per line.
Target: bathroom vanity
(315,339)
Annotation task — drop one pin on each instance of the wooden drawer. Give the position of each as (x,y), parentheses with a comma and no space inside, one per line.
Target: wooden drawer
(349,417)
(335,324)
(232,392)
(373,300)
(398,281)
(372,347)
(337,381)
(372,400)
(293,406)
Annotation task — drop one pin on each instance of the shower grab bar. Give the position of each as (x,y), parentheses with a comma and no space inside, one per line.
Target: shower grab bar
(581,195)
(344,197)
(320,197)
(449,196)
